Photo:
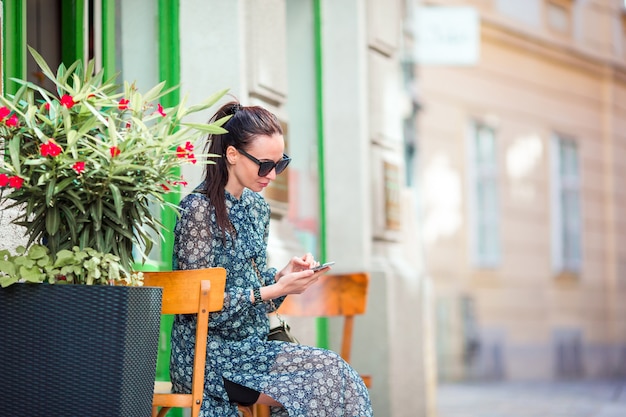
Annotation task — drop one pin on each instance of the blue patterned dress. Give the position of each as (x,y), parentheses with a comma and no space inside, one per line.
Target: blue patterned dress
(308,381)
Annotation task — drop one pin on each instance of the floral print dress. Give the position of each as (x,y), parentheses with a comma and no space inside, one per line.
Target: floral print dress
(308,381)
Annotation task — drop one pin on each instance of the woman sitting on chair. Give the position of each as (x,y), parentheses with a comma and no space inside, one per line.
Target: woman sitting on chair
(225,222)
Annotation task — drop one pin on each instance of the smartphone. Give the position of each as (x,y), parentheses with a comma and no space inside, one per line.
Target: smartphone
(322,266)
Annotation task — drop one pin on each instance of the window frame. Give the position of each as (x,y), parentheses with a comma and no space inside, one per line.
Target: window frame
(561,224)
(479,220)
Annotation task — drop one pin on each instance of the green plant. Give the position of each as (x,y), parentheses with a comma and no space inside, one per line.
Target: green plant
(76,266)
(89,165)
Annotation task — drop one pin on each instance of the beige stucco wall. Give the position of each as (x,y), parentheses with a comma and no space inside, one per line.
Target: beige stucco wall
(528,85)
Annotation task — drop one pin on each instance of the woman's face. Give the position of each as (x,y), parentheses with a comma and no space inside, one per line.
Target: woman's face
(244,172)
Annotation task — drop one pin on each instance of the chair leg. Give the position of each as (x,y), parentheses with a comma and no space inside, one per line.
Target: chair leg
(262,410)
(246,411)
(162,412)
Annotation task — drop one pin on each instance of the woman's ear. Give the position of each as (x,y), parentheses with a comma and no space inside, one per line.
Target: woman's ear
(231,155)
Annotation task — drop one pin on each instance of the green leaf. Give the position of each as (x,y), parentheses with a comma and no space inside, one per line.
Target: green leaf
(117,199)
(37,252)
(50,191)
(207,128)
(6,281)
(97,114)
(52,220)
(64,257)
(7,267)
(61,186)
(31,274)
(42,63)
(155,92)
(209,102)
(75,200)
(95,210)
(14,151)
(119,230)
(69,214)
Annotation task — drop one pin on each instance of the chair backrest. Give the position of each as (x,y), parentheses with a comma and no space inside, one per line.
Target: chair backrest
(181,289)
(332,295)
(198,291)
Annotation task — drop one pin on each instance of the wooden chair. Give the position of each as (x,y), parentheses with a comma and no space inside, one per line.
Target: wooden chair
(188,292)
(331,296)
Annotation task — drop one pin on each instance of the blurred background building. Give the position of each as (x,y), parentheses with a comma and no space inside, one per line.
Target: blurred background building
(521,160)
(467,154)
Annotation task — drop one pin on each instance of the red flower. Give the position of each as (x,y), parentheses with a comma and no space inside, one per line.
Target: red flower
(4,112)
(160,110)
(67,101)
(181,182)
(12,121)
(115,151)
(186,152)
(165,187)
(4,180)
(123,104)
(51,148)
(79,167)
(16,182)
(47,106)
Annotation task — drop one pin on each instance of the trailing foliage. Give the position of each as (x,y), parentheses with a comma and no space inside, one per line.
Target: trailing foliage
(76,266)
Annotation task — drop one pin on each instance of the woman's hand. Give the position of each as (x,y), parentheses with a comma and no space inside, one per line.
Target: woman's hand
(297,264)
(294,278)
(292,283)
(297,282)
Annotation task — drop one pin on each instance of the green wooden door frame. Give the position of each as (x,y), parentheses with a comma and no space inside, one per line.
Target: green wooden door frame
(14,51)
(322,322)
(14,43)
(169,71)
(72,31)
(109,39)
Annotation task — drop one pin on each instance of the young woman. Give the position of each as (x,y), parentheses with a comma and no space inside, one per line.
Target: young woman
(225,222)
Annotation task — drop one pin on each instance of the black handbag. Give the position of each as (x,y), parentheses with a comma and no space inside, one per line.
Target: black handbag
(281,332)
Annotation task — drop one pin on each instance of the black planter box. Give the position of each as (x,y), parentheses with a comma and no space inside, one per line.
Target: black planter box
(77,350)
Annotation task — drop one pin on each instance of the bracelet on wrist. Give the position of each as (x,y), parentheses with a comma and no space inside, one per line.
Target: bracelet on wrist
(256,292)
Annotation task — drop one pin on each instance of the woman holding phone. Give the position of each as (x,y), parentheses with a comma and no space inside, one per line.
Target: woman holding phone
(225,222)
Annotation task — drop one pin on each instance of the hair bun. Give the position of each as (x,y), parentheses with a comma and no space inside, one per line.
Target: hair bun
(235,108)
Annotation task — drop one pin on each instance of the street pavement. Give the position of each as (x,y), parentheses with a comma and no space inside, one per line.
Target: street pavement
(533,399)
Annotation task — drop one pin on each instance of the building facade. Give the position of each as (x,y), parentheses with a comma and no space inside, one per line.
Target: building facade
(523,207)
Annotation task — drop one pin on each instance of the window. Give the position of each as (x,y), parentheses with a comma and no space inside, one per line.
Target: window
(566,210)
(484,204)
(559,16)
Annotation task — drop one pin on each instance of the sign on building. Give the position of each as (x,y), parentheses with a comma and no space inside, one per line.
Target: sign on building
(447,35)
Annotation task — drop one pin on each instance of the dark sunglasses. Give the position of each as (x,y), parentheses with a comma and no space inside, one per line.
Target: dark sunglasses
(265,167)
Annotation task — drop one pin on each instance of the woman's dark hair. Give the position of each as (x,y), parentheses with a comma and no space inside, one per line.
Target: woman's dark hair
(246,123)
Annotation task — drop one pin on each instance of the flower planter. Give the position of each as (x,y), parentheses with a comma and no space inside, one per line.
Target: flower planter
(77,350)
